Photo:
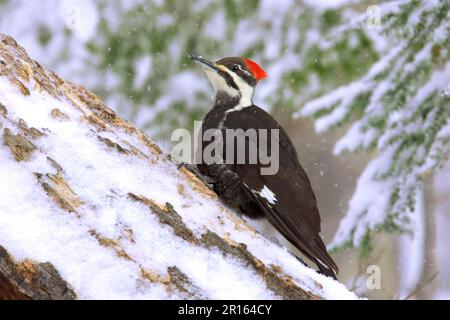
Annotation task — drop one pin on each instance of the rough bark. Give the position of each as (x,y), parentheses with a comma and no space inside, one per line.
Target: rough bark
(32,280)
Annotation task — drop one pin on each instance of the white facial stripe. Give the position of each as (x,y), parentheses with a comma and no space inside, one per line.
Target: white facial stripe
(245,89)
(267,194)
(219,83)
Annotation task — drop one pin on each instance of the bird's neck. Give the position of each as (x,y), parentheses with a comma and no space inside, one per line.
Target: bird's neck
(231,103)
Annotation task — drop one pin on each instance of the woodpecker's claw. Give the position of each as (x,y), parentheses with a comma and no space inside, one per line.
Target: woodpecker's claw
(208,181)
(300,260)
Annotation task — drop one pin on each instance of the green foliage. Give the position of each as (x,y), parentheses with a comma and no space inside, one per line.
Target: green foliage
(44,35)
(167,91)
(366,248)
(139,32)
(401,108)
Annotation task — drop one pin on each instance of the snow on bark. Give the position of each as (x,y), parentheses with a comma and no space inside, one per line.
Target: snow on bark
(91,208)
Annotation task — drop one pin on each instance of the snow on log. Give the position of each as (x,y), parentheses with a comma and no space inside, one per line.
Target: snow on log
(91,208)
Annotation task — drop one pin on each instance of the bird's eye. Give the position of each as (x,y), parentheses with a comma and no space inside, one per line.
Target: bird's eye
(235,67)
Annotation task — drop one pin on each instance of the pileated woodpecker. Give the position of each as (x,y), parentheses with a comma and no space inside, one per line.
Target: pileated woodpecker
(286,198)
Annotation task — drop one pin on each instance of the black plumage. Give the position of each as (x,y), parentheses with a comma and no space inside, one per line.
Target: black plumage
(291,206)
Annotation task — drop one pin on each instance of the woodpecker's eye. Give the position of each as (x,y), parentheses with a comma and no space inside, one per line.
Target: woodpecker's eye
(235,67)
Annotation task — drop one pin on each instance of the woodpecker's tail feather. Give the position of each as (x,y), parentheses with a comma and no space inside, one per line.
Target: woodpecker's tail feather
(322,269)
(327,272)
(306,240)
(328,267)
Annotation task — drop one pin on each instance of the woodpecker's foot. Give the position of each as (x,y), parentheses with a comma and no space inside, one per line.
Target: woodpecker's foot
(208,181)
(301,260)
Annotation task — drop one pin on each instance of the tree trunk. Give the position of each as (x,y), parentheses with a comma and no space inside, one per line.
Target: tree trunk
(73,225)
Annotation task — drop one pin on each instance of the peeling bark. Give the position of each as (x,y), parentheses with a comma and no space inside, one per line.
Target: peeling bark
(30,280)
(20,147)
(58,189)
(276,281)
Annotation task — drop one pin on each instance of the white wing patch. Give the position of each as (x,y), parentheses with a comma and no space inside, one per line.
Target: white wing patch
(267,194)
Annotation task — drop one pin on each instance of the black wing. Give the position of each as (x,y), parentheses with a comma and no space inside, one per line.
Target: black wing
(286,198)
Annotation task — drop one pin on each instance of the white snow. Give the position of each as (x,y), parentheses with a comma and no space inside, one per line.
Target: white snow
(369,203)
(81,17)
(329,4)
(215,28)
(33,227)
(412,251)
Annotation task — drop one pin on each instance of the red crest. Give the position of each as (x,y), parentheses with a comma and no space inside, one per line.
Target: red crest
(255,69)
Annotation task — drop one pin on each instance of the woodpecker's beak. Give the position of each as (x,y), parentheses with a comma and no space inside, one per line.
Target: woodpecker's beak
(203,63)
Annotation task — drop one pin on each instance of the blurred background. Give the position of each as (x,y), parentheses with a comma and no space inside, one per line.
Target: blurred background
(134,55)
